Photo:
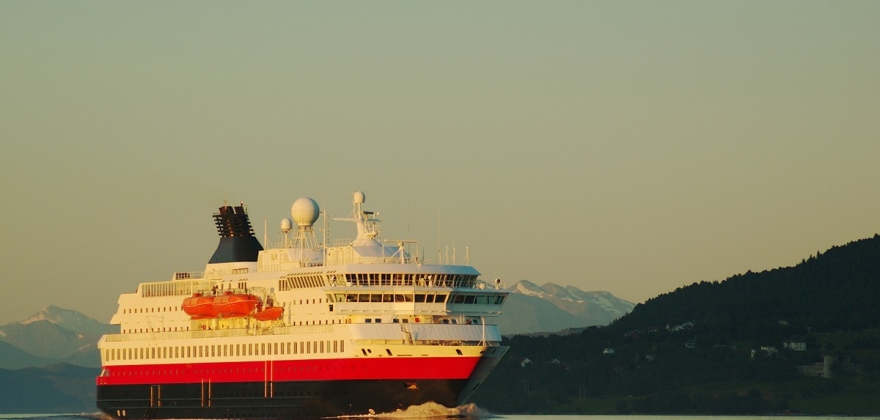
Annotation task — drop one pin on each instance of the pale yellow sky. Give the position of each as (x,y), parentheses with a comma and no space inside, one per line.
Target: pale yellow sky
(632,147)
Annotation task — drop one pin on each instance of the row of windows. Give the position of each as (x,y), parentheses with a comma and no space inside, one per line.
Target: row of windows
(468,321)
(407,279)
(307,301)
(418,298)
(169,329)
(388,297)
(145,330)
(226,350)
(167,372)
(151,310)
(310,280)
(479,299)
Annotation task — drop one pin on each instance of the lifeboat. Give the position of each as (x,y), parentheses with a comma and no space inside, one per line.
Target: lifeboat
(199,306)
(231,304)
(270,314)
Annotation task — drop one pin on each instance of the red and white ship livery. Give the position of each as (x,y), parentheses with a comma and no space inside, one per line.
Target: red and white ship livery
(301,330)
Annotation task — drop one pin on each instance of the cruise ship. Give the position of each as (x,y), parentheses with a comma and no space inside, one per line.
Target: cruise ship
(301,329)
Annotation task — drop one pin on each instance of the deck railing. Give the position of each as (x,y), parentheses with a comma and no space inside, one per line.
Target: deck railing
(232,332)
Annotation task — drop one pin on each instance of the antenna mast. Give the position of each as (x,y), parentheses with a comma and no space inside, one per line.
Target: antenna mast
(324,229)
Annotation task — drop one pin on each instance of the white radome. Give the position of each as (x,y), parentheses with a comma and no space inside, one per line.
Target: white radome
(359,197)
(286,224)
(305,211)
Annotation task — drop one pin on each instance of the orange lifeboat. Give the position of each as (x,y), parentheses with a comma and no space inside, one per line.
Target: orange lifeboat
(199,307)
(270,314)
(231,305)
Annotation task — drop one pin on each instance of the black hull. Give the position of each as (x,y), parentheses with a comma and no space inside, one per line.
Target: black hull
(273,400)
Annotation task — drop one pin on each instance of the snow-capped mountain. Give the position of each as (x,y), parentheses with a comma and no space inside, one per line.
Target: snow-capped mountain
(574,300)
(52,335)
(70,320)
(548,308)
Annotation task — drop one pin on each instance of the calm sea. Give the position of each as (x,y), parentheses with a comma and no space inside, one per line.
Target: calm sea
(97,416)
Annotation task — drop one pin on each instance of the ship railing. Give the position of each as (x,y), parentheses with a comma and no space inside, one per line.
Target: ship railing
(223,333)
(341,242)
(457,343)
(174,287)
(341,253)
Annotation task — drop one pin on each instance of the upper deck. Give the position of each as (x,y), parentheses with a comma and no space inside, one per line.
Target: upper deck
(360,280)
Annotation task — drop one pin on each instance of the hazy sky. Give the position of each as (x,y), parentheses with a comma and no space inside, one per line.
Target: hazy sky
(632,147)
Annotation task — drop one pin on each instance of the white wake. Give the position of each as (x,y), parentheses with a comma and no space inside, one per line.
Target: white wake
(430,410)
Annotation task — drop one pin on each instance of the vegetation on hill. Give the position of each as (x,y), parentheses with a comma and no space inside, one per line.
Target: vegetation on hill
(60,388)
(698,349)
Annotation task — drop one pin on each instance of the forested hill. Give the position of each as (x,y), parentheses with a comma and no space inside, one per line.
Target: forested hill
(716,348)
(837,290)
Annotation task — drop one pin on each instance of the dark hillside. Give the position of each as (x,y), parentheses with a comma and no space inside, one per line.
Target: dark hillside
(715,348)
(71,389)
(839,289)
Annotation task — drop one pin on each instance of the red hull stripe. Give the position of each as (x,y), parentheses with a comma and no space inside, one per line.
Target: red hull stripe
(372,368)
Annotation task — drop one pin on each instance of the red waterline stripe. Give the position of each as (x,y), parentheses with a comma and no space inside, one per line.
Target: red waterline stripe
(373,368)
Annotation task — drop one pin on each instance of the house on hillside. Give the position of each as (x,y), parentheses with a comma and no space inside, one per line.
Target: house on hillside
(796,346)
(770,351)
(828,366)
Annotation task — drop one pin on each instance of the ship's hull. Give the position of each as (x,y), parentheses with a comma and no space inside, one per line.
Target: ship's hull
(273,400)
(279,399)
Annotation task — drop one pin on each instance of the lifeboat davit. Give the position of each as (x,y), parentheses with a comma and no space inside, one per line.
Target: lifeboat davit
(231,304)
(199,307)
(270,314)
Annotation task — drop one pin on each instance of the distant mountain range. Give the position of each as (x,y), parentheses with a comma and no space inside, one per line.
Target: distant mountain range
(550,308)
(70,320)
(52,335)
(49,361)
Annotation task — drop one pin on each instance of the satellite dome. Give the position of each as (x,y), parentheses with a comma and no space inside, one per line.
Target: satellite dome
(359,197)
(305,211)
(286,224)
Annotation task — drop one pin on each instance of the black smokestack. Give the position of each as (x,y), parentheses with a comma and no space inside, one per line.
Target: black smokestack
(237,241)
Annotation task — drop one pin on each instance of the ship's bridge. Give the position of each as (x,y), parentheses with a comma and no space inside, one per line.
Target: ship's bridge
(415,301)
